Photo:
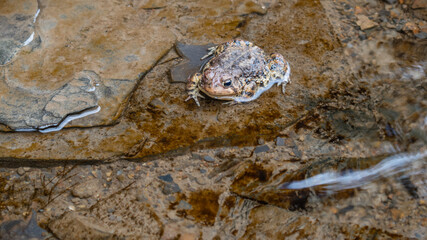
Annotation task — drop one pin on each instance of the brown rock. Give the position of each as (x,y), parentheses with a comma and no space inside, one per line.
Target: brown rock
(395,13)
(396,214)
(365,23)
(82,56)
(74,226)
(419,4)
(145,132)
(359,10)
(410,26)
(16,26)
(87,188)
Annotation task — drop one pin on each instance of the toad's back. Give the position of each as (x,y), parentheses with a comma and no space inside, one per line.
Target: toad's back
(242,61)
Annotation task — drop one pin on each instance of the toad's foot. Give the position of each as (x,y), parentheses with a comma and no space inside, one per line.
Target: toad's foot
(212,50)
(193,95)
(193,88)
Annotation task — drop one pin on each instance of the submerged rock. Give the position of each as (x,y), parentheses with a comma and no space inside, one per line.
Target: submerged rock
(82,57)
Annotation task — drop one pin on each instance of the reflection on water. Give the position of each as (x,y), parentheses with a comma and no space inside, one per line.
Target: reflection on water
(388,167)
(67,119)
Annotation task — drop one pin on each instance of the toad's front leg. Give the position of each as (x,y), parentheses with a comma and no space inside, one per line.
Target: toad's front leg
(193,88)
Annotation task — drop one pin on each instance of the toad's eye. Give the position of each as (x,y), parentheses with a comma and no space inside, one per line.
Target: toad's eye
(227,83)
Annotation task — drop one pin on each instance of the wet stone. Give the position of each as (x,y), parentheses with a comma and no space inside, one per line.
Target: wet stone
(78,226)
(365,23)
(171,188)
(16,27)
(261,149)
(20,171)
(417,4)
(196,156)
(109,48)
(192,62)
(86,189)
(208,158)
(280,141)
(184,205)
(22,229)
(166,178)
(51,78)
(140,197)
(156,104)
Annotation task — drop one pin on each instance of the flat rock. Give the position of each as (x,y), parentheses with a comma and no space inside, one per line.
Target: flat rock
(87,188)
(365,23)
(419,4)
(78,226)
(82,56)
(141,34)
(17,20)
(261,149)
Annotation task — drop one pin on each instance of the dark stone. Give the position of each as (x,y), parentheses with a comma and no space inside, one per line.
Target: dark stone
(166,178)
(421,35)
(196,156)
(202,170)
(280,141)
(192,62)
(390,1)
(262,148)
(208,158)
(171,188)
(22,229)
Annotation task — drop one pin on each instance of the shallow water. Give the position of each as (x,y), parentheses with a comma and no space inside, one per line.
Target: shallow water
(96,138)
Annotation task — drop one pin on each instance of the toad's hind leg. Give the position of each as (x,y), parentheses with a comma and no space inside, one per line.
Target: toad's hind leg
(193,88)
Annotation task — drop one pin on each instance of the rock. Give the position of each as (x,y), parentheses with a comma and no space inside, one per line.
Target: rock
(390,1)
(20,171)
(183,127)
(261,141)
(171,188)
(196,156)
(395,13)
(156,104)
(280,141)
(16,27)
(140,197)
(421,35)
(359,10)
(166,178)
(192,62)
(417,4)
(396,214)
(52,78)
(410,26)
(184,205)
(365,23)
(208,158)
(87,189)
(22,229)
(74,226)
(179,231)
(261,149)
